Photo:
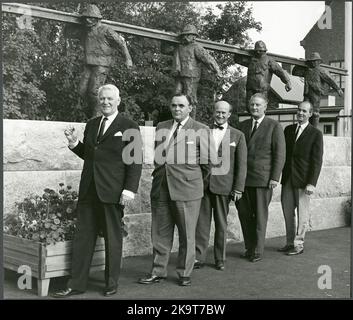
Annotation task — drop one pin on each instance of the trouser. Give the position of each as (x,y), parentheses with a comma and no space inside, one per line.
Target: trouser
(219,205)
(92,78)
(253,216)
(294,200)
(95,216)
(165,215)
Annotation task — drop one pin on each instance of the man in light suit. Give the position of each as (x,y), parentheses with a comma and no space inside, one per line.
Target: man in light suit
(108,183)
(304,150)
(266,157)
(181,163)
(230,146)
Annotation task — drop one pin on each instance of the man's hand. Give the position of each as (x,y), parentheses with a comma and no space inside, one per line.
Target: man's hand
(309,189)
(71,134)
(340,92)
(236,195)
(272,184)
(129,64)
(288,86)
(125,200)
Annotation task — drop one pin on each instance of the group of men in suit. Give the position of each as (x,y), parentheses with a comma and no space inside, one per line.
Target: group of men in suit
(198,171)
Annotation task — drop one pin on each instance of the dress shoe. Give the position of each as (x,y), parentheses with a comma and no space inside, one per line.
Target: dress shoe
(255,258)
(286,248)
(151,279)
(184,281)
(246,255)
(66,293)
(110,291)
(220,265)
(294,251)
(198,264)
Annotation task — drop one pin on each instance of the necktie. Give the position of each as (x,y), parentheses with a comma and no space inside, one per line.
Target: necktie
(175,133)
(217,126)
(297,133)
(254,129)
(101,129)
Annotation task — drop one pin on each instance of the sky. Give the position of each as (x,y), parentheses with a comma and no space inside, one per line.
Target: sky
(284,23)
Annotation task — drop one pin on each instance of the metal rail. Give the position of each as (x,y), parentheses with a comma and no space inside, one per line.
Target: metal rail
(39,12)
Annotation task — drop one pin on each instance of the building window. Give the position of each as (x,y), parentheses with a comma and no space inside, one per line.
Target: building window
(337,77)
(327,128)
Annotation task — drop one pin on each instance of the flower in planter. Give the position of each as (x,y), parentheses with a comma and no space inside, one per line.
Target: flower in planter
(48,218)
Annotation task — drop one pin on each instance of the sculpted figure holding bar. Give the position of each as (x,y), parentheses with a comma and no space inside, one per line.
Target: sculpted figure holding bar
(99,42)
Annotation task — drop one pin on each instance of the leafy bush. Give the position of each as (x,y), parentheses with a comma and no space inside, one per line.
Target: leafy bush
(49,218)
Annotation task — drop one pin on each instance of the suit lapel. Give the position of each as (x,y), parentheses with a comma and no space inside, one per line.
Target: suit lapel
(95,127)
(181,133)
(304,133)
(116,124)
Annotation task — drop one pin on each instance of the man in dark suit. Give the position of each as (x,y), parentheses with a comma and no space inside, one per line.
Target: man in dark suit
(304,150)
(222,186)
(108,182)
(181,163)
(266,156)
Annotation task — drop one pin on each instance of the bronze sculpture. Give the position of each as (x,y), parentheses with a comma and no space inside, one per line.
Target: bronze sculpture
(188,58)
(260,70)
(99,42)
(315,77)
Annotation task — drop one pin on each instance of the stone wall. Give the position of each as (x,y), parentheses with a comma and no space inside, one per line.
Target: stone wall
(36,157)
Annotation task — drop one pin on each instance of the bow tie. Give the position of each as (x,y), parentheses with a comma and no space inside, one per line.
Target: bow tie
(217,126)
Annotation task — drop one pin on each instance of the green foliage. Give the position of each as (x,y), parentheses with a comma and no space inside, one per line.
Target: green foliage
(48,218)
(42,68)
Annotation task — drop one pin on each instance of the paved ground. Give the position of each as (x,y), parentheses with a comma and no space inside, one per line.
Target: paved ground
(276,276)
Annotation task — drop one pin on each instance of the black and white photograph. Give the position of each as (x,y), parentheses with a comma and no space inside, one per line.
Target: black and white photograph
(196,151)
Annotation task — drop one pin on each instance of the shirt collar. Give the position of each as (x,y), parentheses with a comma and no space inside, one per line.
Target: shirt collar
(258,120)
(112,116)
(303,126)
(224,125)
(182,123)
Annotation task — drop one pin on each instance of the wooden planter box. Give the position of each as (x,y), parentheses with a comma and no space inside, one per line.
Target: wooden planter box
(46,261)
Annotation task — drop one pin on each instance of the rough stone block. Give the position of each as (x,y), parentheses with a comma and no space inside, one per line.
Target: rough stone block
(337,151)
(38,145)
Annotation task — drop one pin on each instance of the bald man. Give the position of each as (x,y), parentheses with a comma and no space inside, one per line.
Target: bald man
(225,184)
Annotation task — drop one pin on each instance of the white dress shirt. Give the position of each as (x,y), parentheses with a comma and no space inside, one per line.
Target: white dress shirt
(301,129)
(174,126)
(218,134)
(258,122)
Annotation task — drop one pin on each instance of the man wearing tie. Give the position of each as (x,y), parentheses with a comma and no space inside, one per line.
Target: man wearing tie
(108,183)
(304,150)
(266,156)
(181,163)
(222,187)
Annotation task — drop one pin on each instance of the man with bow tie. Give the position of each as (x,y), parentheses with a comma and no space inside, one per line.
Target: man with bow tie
(304,150)
(266,156)
(109,181)
(222,187)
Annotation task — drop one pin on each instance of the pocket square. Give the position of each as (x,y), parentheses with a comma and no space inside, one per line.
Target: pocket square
(190,142)
(232,144)
(118,134)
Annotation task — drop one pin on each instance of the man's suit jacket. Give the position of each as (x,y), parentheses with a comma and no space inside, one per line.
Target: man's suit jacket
(303,157)
(236,154)
(266,152)
(103,161)
(185,179)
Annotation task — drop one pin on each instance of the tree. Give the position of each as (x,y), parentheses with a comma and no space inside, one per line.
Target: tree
(55,63)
